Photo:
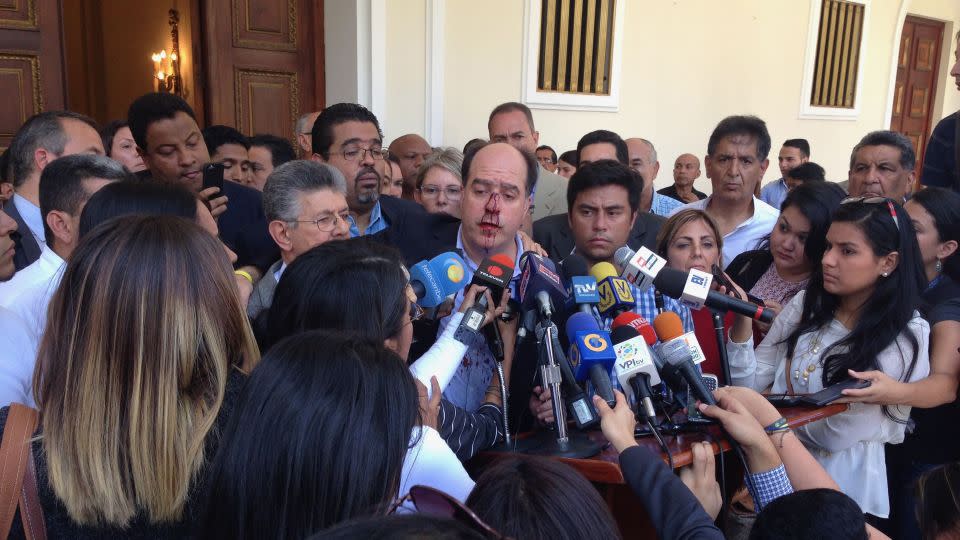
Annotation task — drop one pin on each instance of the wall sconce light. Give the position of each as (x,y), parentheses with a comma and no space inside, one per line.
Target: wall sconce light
(166,67)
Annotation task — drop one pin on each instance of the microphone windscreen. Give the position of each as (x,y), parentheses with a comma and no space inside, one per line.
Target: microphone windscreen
(622,255)
(500,258)
(581,322)
(574,265)
(603,270)
(671,282)
(649,335)
(627,318)
(623,333)
(668,326)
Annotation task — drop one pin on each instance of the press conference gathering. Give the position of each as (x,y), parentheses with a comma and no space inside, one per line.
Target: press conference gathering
(453,270)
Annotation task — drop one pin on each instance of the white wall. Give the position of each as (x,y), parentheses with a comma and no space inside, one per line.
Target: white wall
(686,65)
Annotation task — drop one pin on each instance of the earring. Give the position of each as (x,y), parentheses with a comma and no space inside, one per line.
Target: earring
(885,274)
(939,266)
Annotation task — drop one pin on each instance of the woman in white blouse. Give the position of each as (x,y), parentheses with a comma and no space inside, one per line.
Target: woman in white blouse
(856,314)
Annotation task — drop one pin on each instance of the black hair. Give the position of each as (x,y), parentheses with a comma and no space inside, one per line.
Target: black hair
(553,153)
(530,162)
(943,205)
(109,131)
(908,157)
(800,144)
(318,437)
(938,510)
(218,135)
(153,107)
(750,126)
(604,136)
(886,314)
(473,144)
(42,130)
(528,497)
(808,172)
(281,151)
(334,115)
(811,514)
(605,172)
(61,183)
(356,284)
(570,156)
(401,527)
(137,198)
(817,202)
(509,107)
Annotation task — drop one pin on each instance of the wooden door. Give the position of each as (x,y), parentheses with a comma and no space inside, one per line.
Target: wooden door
(31,62)
(263,63)
(917,75)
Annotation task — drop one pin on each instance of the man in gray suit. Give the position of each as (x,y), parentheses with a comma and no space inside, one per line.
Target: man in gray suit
(43,138)
(512,123)
(306,205)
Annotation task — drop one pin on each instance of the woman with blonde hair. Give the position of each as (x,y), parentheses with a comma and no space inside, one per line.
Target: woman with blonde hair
(138,369)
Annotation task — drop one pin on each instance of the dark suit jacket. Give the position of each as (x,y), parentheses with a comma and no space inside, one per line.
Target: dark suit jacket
(243,227)
(26,249)
(554,234)
(417,234)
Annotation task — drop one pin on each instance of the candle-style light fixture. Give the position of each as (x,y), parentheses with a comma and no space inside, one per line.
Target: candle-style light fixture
(166,67)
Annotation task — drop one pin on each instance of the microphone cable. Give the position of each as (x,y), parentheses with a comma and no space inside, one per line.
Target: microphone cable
(663,444)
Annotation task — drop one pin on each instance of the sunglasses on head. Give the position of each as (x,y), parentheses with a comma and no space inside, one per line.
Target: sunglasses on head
(875,200)
(435,503)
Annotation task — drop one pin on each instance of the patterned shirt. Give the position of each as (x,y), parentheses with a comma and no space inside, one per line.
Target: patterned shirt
(770,486)
(771,286)
(663,206)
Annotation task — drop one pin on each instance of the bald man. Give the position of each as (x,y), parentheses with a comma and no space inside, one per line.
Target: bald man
(410,150)
(304,129)
(643,159)
(685,171)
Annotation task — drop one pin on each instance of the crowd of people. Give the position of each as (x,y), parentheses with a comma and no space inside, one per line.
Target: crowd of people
(253,355)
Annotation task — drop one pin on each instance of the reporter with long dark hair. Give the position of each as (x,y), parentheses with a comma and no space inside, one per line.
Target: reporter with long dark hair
(857,313)
(360,285)
(327,429)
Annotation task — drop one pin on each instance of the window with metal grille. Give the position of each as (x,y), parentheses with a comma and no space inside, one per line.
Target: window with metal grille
(837,55)
(576,42)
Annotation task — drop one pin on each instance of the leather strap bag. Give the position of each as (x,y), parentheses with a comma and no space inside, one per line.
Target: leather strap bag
(18,475)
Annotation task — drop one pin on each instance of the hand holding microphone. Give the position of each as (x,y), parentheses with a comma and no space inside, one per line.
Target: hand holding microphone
(618,423)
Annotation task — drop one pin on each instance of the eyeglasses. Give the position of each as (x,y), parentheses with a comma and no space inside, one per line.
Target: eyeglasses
(435,503)
(452,192)
(360,153)
(326,223)
(416,312)
(875,200)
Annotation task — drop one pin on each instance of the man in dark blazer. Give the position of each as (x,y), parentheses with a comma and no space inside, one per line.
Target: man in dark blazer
(553,232)
(26,248)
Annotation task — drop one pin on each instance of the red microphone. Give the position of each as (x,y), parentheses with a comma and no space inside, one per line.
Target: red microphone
(638,323)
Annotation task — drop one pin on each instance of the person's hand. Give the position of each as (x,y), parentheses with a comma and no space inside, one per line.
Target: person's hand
(746,430)
(700,477)
(470,299)
(757,405)
(445,308)
(734,292)
(883,389)
(618,423)
(776,308)
(244,289)
(218,205)
(429,406)
(541,406)
(529,245)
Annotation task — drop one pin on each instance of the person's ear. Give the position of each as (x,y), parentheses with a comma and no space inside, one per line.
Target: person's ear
(61,225)
(392,344)
(280,233)
(536,138)
(317,157)
(42,157)
(889,262)
(946,249)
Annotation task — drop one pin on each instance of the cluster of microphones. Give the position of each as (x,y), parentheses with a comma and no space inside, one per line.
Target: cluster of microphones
(644,357)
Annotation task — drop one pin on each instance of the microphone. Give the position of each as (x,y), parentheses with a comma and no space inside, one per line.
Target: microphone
(592,353)
(583,288)
(635,368)
(694,288)
(494,273)
(616,296)
(540,285)
(578,403)
(433,280)
(639,267)
(677,359)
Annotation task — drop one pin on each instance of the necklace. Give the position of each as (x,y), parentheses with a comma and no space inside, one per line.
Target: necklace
(802,376)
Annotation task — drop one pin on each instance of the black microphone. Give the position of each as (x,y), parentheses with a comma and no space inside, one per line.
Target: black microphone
(678,364)
(672,283)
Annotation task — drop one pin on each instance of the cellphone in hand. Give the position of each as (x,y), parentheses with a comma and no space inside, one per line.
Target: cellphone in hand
(721,279)
(213,176)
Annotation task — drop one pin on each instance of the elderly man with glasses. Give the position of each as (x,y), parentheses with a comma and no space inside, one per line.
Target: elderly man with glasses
(306,205)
